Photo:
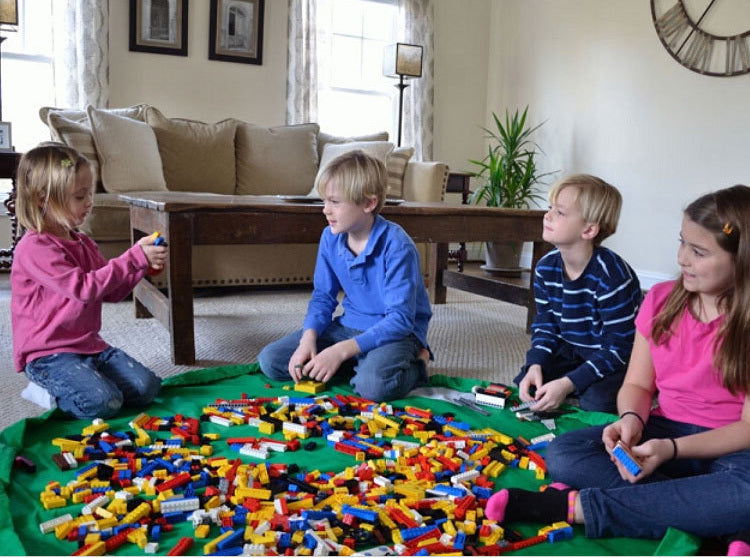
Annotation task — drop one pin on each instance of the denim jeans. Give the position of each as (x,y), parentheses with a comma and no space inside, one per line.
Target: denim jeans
(94,386)
(599,396)
(384,373)
(705,497)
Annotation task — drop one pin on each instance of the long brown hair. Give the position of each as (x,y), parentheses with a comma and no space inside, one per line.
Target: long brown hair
(726,214)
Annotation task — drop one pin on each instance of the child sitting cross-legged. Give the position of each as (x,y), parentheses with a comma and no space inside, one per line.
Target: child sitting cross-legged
(586,297)
(382,334)
(693,448)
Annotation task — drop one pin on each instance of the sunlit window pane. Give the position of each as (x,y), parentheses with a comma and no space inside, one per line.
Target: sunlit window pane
(346,58)
(347,17)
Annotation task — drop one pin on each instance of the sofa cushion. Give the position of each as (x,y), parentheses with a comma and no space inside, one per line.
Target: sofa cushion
(377,149)
(324,139)
(196,156)
(395,165)
(128,154)
(72,127)
(279,160)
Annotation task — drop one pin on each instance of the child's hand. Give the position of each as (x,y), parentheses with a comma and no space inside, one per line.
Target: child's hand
(323,367)
(306,350)
(650,455)
(532,379)
(551,395)
(156,255)
(628,430)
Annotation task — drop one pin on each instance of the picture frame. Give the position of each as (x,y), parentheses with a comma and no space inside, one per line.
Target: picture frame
(159,27)
(6,141)
(9,12)
(236,31)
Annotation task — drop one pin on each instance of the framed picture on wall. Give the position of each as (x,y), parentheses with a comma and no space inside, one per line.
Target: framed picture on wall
(9,12)
(236,31)
(5,140)
(159,26)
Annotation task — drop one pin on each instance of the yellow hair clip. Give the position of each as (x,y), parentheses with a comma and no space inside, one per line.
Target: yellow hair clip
(728,228)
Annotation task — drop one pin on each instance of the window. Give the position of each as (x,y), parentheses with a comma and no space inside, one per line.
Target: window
(26,73)
(354,97)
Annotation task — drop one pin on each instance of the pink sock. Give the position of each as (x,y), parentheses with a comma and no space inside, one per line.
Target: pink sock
(495,509)
(559,486)
(736,548)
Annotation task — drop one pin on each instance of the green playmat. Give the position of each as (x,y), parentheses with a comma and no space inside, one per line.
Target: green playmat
(187,394)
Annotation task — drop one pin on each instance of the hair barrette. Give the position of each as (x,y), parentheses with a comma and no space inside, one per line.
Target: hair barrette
(66,163)
(728,228)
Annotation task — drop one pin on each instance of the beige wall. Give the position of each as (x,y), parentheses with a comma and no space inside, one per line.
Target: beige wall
(618,106)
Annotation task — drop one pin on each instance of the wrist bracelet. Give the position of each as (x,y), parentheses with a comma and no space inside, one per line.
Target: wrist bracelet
(674,446)
(626,413)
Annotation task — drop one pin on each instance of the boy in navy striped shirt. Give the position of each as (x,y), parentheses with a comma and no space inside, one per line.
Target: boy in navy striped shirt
(587,298)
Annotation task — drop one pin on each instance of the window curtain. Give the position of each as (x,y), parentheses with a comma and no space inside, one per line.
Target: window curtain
(416,21)
(80,32)
(302,68)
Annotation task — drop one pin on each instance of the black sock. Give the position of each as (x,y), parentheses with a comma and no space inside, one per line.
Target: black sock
(549,506)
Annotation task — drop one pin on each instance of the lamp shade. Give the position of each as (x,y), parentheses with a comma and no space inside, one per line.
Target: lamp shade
(8,12)
(401,59)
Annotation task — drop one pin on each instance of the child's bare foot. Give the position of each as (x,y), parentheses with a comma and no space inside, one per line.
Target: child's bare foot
(424,354)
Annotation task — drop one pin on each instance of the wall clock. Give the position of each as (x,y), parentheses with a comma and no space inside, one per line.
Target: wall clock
(711,37)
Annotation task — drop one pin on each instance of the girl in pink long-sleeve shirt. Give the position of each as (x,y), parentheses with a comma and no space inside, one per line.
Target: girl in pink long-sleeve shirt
(59,280)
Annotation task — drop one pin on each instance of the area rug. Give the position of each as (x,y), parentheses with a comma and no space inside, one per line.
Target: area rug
(190,395)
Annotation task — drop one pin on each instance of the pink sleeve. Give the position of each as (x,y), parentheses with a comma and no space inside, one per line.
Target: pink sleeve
(651,306)
(116,278)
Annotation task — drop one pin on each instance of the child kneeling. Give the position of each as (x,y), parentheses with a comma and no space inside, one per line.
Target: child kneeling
(382,335)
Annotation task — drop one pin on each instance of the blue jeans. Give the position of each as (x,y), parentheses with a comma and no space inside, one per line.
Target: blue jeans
(705,497)
(94,386)
(599,396)
(384,373)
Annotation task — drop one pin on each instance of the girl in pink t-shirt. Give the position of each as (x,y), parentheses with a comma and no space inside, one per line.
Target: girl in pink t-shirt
(691,449)
(59,280)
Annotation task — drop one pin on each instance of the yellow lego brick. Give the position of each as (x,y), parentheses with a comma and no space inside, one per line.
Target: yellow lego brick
(449,528)
(309,386)
(80,495)
(91,538)
(138,537)
(396,536)
(267,538)
(202,531)
(267,427)
(141,511)
(261,472)
(259,493)
(66,445)
(106,522)
(53,502)
(92,429)
(539,474)
(523,462)
(62,530)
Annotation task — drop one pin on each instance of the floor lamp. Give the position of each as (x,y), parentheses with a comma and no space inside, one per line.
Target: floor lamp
(402,61)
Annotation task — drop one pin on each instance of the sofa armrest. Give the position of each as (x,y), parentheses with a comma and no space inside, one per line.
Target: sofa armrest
(424,181)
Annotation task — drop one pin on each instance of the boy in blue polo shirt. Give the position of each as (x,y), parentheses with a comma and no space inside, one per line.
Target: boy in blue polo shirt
(587,298)
(382,334)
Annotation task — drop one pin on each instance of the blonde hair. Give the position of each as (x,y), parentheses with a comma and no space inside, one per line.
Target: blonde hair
(359,176)
(46,178)
(598,201)
(726,215)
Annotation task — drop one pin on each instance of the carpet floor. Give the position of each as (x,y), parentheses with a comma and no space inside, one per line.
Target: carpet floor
(471,336)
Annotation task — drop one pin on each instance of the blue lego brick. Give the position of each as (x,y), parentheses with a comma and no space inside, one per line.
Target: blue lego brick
(459,541)
(560,535)
(414,532)
(622,456)
(232,540)
(367,515)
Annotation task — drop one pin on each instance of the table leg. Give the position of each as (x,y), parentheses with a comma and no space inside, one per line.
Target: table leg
(438,264)
(180,288)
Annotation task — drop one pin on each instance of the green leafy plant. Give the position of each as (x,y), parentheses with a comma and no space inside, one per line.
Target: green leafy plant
(509,170)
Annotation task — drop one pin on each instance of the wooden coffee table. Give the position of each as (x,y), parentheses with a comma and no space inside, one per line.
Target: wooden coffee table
(186,220)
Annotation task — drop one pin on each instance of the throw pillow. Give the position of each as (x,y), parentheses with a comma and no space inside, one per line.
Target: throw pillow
(196,156)
(279,160)
(72,127)
(324,139)
(128,154)
(395,164)
(378,149)
(76,135)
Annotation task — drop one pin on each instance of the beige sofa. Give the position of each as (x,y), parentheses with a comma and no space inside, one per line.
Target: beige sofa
(138,149)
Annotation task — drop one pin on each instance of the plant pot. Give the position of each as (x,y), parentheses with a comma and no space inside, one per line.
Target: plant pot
(502,259)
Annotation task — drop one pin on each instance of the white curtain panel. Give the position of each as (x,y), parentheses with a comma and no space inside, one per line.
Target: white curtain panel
(302,69)
(80,32)
(416,17)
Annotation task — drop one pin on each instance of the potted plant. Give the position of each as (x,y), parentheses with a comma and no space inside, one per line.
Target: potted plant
(509,178)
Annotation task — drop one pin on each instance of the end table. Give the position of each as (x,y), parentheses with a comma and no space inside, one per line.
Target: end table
(8,165)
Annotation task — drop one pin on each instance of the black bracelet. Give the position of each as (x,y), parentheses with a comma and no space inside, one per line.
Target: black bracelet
(626,413)
(674,446)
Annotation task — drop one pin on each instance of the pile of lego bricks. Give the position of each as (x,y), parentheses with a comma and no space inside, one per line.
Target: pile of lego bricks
(408,478)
